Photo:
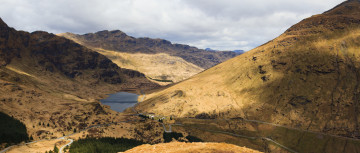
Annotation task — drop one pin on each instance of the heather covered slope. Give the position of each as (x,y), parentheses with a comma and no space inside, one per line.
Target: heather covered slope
(156,58)
(52,84)
(306,78)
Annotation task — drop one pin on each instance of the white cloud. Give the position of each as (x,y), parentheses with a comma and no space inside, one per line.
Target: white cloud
(222,25)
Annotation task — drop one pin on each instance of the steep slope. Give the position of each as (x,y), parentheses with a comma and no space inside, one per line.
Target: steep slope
(306,78)
(51,83)
(193,60)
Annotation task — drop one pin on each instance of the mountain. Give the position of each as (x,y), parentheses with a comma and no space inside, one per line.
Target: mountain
(239,51)
(52,84)
(157,58)
(307,78)
(209,49)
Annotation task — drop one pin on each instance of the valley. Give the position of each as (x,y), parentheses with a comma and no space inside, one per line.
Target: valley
(111,92)
(47,83)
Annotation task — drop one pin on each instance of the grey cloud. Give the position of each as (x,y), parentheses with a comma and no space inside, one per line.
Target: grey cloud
(222,25)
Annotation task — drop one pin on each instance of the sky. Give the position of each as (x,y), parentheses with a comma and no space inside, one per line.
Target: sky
(215,24)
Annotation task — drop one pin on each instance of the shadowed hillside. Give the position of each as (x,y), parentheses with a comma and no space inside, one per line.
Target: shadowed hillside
(307,78)
(12,130)
(52,84)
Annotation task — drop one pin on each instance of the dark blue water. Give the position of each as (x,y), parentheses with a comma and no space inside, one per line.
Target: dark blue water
(120,101)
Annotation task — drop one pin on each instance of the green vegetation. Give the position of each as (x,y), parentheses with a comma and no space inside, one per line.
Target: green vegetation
(66,148)
(193,139)
(56,149)
(12,130)
(168,136)
(103,145)
(179,137)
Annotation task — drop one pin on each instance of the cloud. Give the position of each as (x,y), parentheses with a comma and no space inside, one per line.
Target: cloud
(222,25)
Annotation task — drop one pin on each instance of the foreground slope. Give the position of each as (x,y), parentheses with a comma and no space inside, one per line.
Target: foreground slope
(52,84)
(181,147)
(307,78)
(176,61)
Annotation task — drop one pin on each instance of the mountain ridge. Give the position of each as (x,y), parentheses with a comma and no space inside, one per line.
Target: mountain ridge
(117,40)
(159,59)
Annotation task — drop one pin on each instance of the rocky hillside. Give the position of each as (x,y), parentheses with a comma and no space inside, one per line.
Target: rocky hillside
(177,62)
(307,78)
(52,84)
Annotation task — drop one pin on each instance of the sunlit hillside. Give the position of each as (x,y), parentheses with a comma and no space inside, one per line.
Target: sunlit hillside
(307,78)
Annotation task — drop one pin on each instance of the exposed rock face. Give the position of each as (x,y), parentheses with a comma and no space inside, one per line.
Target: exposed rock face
(119,41)
(307,78)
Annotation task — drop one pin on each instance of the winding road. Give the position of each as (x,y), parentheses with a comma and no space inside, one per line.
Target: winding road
(170,130)
(223,132)
(167,131)
(6,149)
(243,136)
(71,140)
(65,137)
(68,144)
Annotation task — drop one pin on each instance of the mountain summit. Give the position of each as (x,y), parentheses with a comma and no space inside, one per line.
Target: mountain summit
(307,78)
(3,24)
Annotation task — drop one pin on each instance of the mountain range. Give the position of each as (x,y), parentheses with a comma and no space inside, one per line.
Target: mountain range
(157,58)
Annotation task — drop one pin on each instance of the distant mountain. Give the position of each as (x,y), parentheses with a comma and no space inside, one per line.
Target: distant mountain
(118,41)
(43,77)
(239,51)
(209,49)
(159,59)
(308,78)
